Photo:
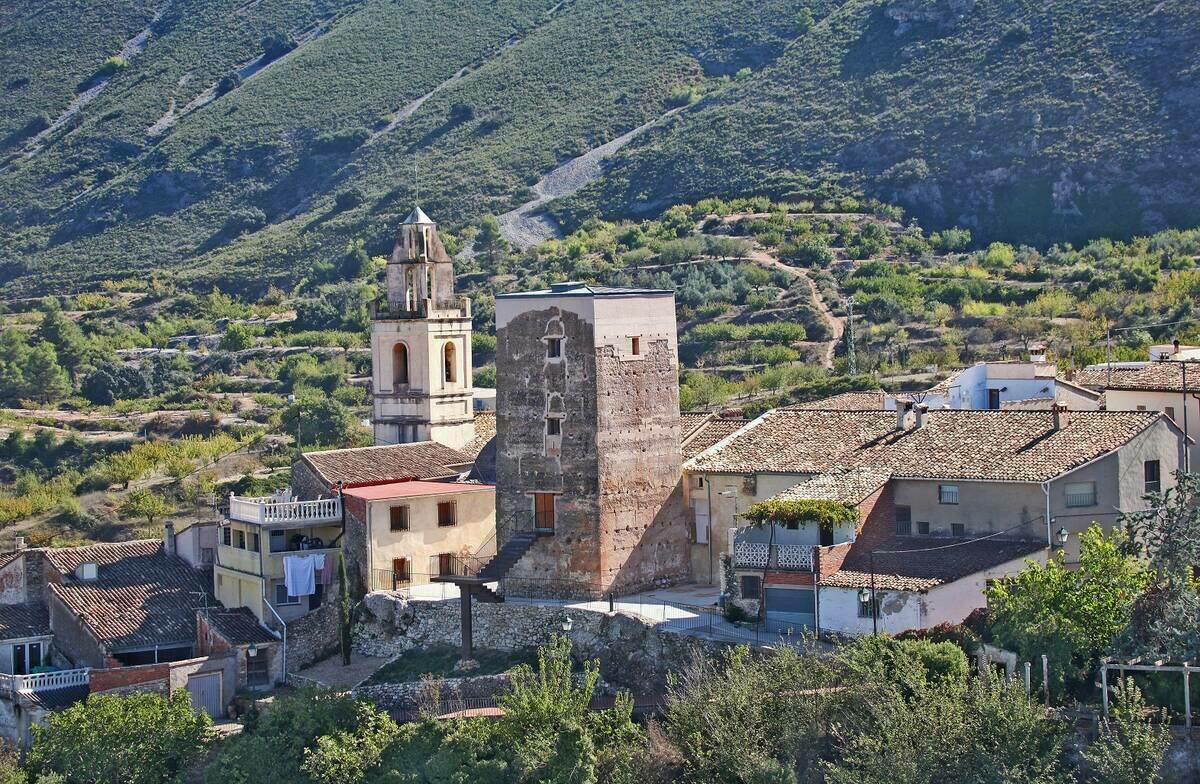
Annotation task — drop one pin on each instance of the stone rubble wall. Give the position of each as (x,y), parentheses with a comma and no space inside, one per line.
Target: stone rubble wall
(634,653)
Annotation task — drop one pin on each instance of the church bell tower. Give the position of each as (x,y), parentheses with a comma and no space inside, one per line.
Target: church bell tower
(421,345)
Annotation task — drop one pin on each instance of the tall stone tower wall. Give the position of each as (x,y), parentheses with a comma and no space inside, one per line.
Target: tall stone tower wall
(614,466)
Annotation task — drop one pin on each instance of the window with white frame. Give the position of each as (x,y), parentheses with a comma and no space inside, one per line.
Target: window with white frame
(947,494)
(1152,472)
(1079,494)
(282,597)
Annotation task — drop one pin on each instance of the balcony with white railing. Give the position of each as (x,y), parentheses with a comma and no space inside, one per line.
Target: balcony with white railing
(43,681)
(782,557)
(282,509)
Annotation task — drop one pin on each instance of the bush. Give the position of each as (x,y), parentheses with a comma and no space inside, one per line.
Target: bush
(136,739)
(228,82)
(111,66)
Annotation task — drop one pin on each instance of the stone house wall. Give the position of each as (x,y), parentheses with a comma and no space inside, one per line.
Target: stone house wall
(314,636)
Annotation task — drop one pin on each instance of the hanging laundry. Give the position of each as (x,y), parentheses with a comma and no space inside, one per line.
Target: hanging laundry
(327,568)
(299,574)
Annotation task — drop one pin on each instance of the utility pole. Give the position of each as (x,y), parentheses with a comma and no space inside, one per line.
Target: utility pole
(850,336)
(1108,354)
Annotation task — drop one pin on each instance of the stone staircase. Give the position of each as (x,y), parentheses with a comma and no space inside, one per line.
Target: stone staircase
(512,551)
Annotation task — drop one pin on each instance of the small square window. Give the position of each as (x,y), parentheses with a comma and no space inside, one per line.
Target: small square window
(635,346)
(1169,411)
(1079,494)
(947,494)
(398,518)
(923,527)
(958,529)
(447,514)
(553,426)
(282,597)
(553,348)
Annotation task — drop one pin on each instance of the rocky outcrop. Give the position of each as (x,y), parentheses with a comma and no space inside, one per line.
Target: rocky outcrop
(634,653)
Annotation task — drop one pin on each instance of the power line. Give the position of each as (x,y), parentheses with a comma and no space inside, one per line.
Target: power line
(992,535)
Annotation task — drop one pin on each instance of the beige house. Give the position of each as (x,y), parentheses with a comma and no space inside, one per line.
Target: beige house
(1152,386)
(411,531)
(256,543)
(953,473)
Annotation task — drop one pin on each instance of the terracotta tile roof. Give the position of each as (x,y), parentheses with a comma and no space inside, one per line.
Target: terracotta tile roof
(239,627)
(485,430)
(929,562)
(796,441)
(846,401)
(1015,446)
(1154,377)
(690,423)
(9,557)
(708,433)
(366,465)
(23,620)
(141,596)
(851,487)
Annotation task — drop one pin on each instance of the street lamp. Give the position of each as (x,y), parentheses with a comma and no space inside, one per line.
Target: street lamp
(1060,536)
(567,623)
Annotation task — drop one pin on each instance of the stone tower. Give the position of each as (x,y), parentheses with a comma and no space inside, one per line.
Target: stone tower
(588,438)
(421,345)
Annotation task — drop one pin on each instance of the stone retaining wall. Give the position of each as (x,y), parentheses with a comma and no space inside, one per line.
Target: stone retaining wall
(633,652)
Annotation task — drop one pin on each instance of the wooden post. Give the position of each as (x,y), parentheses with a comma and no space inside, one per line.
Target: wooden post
(468,645)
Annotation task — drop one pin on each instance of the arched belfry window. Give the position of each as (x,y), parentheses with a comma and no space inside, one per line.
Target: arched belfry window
(410,295)
(399,365)
(449,354)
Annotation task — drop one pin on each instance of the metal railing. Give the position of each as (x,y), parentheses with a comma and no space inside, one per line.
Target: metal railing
(471,564)
(784,557)
(273,510)
(44,681)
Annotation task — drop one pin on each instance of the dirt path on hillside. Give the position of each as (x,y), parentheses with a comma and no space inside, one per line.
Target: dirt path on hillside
(834,324)
(525,226)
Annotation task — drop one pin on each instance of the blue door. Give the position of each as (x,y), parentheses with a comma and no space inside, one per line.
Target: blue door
(791,607)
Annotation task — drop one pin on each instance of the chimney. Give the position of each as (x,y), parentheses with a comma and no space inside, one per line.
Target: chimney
(921,410)
(169,538)
(902,409)
(19,543)
(1061,416)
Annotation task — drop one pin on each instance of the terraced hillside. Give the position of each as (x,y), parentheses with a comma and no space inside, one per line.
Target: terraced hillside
(239,142)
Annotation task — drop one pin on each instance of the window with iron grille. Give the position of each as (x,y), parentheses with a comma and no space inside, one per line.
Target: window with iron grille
(923,527)
(553,426)
(903,521)
(947,494)
(1079,494)
(398,518)
(869,607)
(553,348)
(447,514)
(958,529)
(282,597)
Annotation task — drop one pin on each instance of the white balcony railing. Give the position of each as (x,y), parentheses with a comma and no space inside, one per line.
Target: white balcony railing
(794,556)
(751,555)
(282,509)
(786,557)
(44,681)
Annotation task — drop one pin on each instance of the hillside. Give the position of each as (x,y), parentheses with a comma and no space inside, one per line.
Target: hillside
(239,142)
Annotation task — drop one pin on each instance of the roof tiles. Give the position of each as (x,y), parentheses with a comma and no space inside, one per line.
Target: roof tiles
(1014,446)
(367,465)
(918,564)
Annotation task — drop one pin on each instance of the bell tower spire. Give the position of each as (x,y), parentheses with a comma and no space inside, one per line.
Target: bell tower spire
(421,344)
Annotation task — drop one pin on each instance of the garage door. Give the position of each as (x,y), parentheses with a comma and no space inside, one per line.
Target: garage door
(792,606)
(206,693)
